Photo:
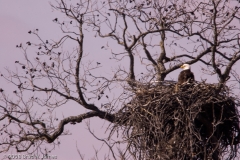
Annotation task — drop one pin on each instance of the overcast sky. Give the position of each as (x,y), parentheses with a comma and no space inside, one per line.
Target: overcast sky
(17,17)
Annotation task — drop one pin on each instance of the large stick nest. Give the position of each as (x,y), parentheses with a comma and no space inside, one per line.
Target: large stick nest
(196,122)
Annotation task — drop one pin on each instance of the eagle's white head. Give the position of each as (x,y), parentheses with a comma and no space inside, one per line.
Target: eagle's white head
(185,66)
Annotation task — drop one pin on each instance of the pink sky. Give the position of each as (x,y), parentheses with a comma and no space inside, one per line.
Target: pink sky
(16,19)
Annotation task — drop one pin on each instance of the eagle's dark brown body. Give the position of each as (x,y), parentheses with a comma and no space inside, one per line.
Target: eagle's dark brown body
(185,76)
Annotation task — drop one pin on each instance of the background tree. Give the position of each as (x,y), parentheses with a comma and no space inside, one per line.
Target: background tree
(147,40)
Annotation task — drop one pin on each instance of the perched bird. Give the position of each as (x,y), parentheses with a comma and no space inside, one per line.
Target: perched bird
(20,85)
(185,76)
(29,43)
(52,64)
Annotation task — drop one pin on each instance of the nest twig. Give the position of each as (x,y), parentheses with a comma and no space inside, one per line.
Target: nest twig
(196,122)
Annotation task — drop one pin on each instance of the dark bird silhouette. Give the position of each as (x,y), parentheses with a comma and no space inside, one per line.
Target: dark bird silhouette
(23,67)
(37,58)
(53,65)
(56,19)
(98,63)
(1,90)
(14,91)
(44,64)
(16,61)
(29,43)
(47,41)
(20,85)
(29,32)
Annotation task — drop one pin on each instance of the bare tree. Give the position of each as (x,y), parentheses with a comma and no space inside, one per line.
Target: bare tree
(148,39)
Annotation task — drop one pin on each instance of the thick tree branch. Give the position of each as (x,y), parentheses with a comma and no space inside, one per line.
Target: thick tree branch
(51,137)
(196,59)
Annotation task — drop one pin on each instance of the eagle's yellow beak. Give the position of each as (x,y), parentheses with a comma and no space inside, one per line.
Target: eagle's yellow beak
(182,66)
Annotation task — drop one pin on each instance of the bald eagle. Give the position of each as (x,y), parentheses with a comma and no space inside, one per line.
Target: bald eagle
(185,76)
